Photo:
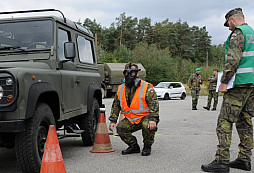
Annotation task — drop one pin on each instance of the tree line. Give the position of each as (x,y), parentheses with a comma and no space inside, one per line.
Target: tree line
(169,51)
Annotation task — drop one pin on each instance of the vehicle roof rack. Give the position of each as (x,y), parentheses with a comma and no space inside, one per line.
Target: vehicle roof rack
(34,11)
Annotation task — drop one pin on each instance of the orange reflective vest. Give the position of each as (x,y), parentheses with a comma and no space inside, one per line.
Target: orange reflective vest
(138,108)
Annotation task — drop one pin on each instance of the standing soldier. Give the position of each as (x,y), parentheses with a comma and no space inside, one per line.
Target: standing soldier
(212,91)
(138,101)
(238,102)
(194,83)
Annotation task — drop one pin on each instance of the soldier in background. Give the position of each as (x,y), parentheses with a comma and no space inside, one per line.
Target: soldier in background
(212,91)
(194,83)
(138,101)
(238,102)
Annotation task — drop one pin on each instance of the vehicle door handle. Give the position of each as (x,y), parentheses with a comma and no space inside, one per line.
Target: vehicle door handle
(77,82)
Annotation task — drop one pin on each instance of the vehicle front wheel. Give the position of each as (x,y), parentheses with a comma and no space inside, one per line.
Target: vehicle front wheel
(88,122)
(166,96)
(30,143)
(183,96)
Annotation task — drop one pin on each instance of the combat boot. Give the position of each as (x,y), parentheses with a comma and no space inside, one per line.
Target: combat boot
(194,108)
(213,109)
(131,149)
(239,164)
(146,150)
(207,108)
(215,166)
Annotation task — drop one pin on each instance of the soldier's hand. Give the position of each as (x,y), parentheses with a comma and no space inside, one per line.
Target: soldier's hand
(223,88)
(152,125)
(112,126)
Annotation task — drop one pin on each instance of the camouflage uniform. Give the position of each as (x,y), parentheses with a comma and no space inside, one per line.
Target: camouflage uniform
(194,84)
(212,92)
(125,128)
(237,106)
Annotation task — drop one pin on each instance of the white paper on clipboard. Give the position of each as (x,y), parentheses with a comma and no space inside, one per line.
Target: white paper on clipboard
(230,83)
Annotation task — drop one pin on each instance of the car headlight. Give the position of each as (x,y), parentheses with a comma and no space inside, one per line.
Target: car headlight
(8,88)
(9,81)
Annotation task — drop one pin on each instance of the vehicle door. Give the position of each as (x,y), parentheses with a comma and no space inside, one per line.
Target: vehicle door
(69,80)
(177,89)
(86,66)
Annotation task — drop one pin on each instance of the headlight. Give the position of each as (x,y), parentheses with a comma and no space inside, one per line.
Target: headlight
(9,81)
(1,92)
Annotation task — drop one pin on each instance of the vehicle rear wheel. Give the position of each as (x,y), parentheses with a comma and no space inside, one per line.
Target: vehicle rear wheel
(183,96)
(88,122)
(30,144)
(166,96)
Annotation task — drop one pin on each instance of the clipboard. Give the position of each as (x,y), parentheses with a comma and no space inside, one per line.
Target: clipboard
(230,83)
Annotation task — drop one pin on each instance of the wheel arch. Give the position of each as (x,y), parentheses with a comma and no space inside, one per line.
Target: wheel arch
(46,93)
(94,91)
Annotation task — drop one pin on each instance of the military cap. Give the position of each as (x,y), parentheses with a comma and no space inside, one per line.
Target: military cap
(231,13)
(215,69)
(197,69)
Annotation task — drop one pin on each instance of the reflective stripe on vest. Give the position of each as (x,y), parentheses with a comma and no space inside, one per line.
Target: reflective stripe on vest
(134,119)
(245,70)
(250,53)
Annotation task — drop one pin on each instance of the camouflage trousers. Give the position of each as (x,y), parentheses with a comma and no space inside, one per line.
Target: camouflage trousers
(125,130)
(195,96)
(212,95)
(237,107)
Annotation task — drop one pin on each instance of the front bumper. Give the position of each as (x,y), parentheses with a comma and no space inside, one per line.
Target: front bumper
(12,126)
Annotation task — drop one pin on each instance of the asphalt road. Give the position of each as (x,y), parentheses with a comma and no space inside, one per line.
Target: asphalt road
(185,140)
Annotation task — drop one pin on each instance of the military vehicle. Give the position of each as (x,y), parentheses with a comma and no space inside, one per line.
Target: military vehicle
(112,77)
(48,75)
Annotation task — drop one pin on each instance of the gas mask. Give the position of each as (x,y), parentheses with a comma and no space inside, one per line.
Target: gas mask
(130,75)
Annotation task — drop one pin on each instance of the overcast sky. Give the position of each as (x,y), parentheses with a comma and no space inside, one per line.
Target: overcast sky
(209,13)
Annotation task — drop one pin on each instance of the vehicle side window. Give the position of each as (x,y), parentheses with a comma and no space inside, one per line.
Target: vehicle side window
(85,50)
(63,36)
(177,85)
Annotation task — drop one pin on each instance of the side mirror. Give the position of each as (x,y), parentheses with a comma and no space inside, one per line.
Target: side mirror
(69,50)
(171,87)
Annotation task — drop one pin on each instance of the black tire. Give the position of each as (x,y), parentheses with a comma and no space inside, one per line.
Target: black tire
(166,96)
(88,122)
(183,96)
(30,144)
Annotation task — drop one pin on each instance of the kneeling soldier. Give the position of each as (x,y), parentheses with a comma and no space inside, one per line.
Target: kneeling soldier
(138,101)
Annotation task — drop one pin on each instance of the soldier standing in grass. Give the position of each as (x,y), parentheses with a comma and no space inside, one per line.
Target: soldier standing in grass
(138,101)
(194,83)
(212,91)
(238,102)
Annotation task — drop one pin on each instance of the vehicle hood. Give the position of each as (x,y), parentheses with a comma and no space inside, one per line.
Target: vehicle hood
(24,64)
(23,56)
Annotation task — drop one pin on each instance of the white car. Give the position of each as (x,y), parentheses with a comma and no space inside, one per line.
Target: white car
(168,90)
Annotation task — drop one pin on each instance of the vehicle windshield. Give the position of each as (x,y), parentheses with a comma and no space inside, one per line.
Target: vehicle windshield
(26,36)
(162,85)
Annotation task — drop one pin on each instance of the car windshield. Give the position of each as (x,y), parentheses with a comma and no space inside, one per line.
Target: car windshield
(162,85)
(26,36)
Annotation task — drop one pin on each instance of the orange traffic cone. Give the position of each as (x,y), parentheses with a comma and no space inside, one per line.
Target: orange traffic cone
(52,161)
(102,142)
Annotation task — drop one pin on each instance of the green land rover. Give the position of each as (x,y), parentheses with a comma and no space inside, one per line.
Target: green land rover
(48,75)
